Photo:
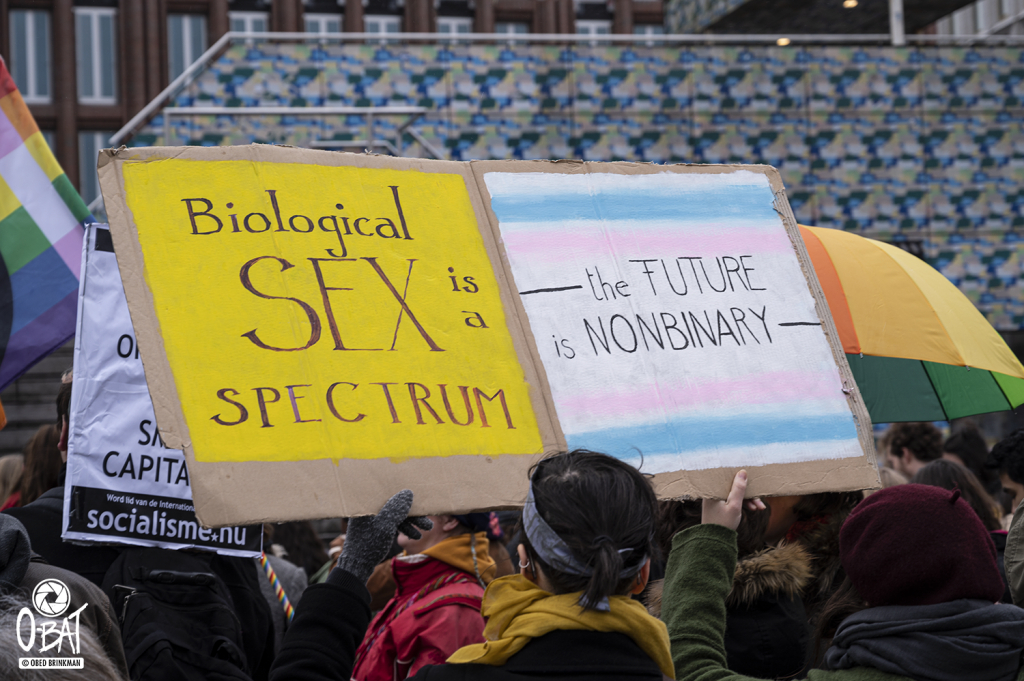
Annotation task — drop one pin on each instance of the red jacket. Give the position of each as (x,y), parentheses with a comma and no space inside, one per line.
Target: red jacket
(435,611)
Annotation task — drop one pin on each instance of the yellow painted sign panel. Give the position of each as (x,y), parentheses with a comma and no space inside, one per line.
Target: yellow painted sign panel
(312,312)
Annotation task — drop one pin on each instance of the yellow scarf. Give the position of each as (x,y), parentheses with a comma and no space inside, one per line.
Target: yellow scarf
(457,551)
(517,610)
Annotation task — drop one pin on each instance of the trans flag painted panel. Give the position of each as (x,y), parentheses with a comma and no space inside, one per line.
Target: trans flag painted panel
(673,319)
(41,228)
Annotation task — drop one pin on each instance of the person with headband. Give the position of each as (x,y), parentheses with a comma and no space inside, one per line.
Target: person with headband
(588,522)
(918,603)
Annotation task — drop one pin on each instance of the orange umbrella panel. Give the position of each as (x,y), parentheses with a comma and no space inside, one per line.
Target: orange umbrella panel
(900,306)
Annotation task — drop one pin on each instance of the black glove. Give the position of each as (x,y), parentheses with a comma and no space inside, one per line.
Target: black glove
(369,538)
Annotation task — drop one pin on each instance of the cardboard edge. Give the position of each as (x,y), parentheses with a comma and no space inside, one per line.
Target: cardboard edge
(829,475)
(856,401)
(515,316)
(503,265)
(277,481)
(149,340)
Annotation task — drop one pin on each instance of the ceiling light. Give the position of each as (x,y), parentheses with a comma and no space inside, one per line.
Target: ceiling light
(849,4)
(782,42)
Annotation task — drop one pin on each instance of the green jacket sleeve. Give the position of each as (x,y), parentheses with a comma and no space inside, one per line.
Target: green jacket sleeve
(697,580)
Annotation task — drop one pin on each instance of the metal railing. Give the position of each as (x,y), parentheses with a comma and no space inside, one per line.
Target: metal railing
(372,113)
(194,69)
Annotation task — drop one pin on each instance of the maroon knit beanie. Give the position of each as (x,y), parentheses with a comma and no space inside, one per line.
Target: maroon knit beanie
(918,545)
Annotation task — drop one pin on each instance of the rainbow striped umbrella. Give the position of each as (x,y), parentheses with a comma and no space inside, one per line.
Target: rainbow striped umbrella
(919,349)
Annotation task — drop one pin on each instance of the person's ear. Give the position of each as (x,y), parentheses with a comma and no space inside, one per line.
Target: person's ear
(525,568)
(449,523)
(642,578)
(908,457)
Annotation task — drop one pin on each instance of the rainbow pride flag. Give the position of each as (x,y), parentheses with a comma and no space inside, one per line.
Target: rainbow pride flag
(41,229)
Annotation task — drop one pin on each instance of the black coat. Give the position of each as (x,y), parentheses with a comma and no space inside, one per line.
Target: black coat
(767,630)
(43,518)
(999,539)
(767,639)
(329,624)
(332,617)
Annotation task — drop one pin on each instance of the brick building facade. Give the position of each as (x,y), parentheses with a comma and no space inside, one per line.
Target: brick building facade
(87,66)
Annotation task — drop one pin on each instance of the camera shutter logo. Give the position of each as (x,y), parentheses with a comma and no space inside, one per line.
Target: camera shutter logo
(51,598)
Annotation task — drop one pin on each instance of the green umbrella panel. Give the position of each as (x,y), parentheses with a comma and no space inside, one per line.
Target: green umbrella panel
(896,389)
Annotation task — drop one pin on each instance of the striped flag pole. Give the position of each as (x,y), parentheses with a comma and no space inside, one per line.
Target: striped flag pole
(282,597)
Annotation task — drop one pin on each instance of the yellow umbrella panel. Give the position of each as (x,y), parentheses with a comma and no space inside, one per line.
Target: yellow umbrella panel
(919,349)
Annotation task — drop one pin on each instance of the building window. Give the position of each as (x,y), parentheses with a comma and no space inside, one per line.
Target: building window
(648,29)
(382,24)
(30,54)
(593,27)
(186,41)
(511,27)
(248,22)
(89,145)
(454,25)
(385,24)
(323,23)
(96,47)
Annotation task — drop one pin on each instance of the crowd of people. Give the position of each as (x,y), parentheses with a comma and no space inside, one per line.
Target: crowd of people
(594,578)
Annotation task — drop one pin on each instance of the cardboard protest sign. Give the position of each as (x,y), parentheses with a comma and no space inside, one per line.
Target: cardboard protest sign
(320,330)
(124,485)
(317,336)
(680,325)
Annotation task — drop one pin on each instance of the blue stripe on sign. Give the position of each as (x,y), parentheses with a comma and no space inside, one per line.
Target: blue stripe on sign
(747,202)
(39,285)
(687,435)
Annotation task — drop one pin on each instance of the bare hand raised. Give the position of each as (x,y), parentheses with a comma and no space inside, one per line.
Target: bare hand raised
(729,513)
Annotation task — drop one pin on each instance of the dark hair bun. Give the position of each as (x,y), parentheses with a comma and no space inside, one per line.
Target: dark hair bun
(605,511)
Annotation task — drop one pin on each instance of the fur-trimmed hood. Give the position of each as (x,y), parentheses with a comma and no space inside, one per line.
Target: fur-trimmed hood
(785,570)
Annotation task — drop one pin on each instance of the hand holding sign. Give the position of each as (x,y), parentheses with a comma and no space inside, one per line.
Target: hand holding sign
(729,512)
(369,538)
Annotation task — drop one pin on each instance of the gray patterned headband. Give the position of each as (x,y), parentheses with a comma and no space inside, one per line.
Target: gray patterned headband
(553,550)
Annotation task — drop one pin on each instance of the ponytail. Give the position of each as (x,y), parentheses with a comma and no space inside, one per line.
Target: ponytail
(608,564)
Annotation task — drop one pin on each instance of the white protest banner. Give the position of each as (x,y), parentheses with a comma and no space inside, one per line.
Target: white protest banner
(123,484)
(680,324)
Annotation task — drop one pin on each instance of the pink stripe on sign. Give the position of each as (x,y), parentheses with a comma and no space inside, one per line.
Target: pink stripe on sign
(10,139)
(69,248)
(558,245)
(768,388)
